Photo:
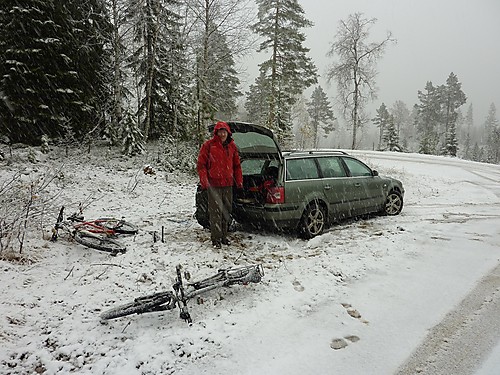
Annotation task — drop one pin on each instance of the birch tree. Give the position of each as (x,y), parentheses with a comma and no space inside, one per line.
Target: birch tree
(354,71)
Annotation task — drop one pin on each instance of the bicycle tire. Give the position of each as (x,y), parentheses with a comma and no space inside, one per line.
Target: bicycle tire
(153,303)
(119,226)
(98,242)
(245,274)
(231,276)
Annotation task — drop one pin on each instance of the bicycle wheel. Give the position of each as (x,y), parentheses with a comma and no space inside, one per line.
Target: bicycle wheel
(153,303)
(99,242)
(119,226)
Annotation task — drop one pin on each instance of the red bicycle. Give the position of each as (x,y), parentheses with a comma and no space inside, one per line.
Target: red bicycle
(94,233)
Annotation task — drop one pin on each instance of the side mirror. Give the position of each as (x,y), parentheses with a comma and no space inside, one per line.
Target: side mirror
(374,173)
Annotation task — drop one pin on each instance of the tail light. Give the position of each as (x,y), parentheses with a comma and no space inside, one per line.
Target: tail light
(275,195)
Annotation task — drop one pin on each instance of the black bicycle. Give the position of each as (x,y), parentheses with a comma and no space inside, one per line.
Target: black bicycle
(94,233)
(180,295)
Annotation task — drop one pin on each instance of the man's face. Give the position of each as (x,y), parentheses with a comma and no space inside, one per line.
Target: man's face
(222,134)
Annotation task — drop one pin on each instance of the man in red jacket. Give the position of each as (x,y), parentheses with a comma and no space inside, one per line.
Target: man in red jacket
(219,168)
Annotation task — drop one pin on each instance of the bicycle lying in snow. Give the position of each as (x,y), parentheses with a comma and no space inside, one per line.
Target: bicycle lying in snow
(94,233)
(169,300)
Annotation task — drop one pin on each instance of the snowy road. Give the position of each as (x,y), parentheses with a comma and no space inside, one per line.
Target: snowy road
(463,340)
(467,339)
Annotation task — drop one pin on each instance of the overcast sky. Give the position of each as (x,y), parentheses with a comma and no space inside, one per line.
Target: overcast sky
(434,38)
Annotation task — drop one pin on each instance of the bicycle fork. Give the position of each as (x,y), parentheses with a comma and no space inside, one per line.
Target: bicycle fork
(179,290)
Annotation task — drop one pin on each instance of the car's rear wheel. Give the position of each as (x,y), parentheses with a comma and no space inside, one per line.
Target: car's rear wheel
(313,221)
(393,204)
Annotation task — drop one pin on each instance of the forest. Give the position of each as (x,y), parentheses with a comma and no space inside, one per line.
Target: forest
(129,72)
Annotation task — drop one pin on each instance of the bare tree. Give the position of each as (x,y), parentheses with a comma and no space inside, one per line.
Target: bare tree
(355,71)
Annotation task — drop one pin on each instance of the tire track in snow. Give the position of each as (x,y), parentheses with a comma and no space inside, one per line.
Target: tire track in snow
(464,338)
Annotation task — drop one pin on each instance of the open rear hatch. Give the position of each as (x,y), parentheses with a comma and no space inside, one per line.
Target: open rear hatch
(253,141)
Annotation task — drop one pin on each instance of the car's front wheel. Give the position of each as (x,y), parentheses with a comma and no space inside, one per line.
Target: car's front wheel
(393,204)
(313,221)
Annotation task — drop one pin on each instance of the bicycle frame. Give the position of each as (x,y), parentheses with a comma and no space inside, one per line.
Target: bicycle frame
(74,223)
(169,300)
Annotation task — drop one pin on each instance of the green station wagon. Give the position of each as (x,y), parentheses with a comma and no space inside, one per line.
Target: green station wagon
(302,191)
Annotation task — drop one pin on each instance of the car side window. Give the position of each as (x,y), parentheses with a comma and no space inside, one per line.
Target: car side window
(331,167)
(301,169)
(357,168)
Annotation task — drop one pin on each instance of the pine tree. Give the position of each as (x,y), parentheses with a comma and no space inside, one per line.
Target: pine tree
(288,71)
(382,121)
(321,114)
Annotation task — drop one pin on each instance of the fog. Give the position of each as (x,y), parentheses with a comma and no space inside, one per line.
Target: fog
(434,38)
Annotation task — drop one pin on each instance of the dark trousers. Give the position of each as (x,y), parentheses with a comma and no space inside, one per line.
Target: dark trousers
(220,204)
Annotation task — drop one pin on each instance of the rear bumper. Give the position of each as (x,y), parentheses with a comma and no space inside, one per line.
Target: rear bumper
(268,215)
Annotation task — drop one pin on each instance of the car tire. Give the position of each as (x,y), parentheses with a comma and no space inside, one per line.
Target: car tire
(393,204)
(313,221)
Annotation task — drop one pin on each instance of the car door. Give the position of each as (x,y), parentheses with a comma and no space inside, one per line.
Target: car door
(365,187)
(301,185)
(335,184)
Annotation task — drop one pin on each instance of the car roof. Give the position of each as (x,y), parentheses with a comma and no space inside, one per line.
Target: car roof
(315,152)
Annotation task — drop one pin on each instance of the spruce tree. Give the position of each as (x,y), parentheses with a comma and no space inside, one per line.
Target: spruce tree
(382,122)
(53,66)
(429,119)
(257,100)
(492,130)
(453,97)
(220,79)
(404,126)
(321,114)
(157,60)
(391,138)
(218,36)
(288,71)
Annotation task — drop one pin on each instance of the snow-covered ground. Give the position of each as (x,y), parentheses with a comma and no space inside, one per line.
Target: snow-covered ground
(358,299)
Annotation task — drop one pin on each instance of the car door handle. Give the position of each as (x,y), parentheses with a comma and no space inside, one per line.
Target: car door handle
(327,187)
(357,184)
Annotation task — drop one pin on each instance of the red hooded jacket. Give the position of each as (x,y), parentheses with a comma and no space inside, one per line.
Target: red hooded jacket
(219,164)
